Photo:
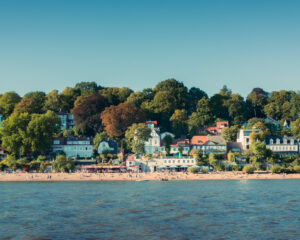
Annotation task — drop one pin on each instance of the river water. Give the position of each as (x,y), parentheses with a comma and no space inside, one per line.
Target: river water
(246,209)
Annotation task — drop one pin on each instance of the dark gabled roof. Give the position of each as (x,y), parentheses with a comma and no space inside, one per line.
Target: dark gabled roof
(281,140)
(111,143)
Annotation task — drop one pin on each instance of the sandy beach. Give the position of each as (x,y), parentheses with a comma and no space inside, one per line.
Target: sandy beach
(15,177)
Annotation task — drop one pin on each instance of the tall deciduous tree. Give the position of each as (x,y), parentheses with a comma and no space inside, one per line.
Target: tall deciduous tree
(87,115)
(53,101)
(14,133)
(68,97)
(27,105)
(202,117)
(117,119)
(23,133)
(39,98)
(40,131)
(7,103)
(136,135)
(115,95)
(179,121)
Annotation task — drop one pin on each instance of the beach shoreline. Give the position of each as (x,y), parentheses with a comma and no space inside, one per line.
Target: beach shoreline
(56,177)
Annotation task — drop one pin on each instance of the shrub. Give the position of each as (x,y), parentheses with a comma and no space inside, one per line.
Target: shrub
(296,169)
(193,170)
(276,169)
(237,167)
(204,170)
(249,169)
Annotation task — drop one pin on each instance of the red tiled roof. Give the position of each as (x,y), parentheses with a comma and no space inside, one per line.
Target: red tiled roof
(154,122)
(199,140)
(222,123)
(181,143)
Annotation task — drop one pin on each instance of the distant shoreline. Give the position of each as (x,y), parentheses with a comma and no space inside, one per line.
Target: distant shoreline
(56,177)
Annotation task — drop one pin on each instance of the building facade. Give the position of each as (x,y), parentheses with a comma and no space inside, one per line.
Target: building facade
(209,144)
(244,137)
(67,121)
(73,147)
(283,145)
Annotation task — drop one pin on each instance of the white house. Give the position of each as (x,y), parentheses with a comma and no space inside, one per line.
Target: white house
(153,145)
(165,163)
(283,145)
(73,147)
(244,137)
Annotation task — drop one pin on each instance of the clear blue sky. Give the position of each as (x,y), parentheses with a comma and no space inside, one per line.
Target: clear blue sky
(51,44)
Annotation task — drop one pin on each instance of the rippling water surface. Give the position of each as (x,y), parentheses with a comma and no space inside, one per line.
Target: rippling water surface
(247,209)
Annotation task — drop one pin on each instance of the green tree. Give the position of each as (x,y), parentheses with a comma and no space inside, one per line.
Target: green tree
(7,103)
(295,128)
(14,133)
(115,95)
(68,98)
(194,95)
(28,105)
(256,101)
(202,117)
(39,98)
(63,164)
(168,140)
(136,135)
(236,109)
(53,101)
(40,131)
(179,122)
(230,133)
(11,162)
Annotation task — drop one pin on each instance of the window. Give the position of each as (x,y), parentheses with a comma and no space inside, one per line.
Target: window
(169,161)
(192,161)
(178,161)
(165,161)
(183,161)
(271,141)
(173,161)
(188,161)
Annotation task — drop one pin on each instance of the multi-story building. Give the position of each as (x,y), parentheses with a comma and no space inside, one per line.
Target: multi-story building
(165,163)
(283,145)
(180,146)
(154,143)
(209,144)
(244,137)
(67,120)
(73,147)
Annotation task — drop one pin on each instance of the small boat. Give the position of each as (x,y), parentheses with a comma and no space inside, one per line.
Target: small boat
(164,179)
(141,180)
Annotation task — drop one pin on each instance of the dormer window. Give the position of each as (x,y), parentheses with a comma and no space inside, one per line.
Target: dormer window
(285,141)
(271,141)
(277,141)
(292,141)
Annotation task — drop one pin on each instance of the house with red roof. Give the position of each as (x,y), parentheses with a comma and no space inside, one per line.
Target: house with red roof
(209,144)
(217,130)
(180,144)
